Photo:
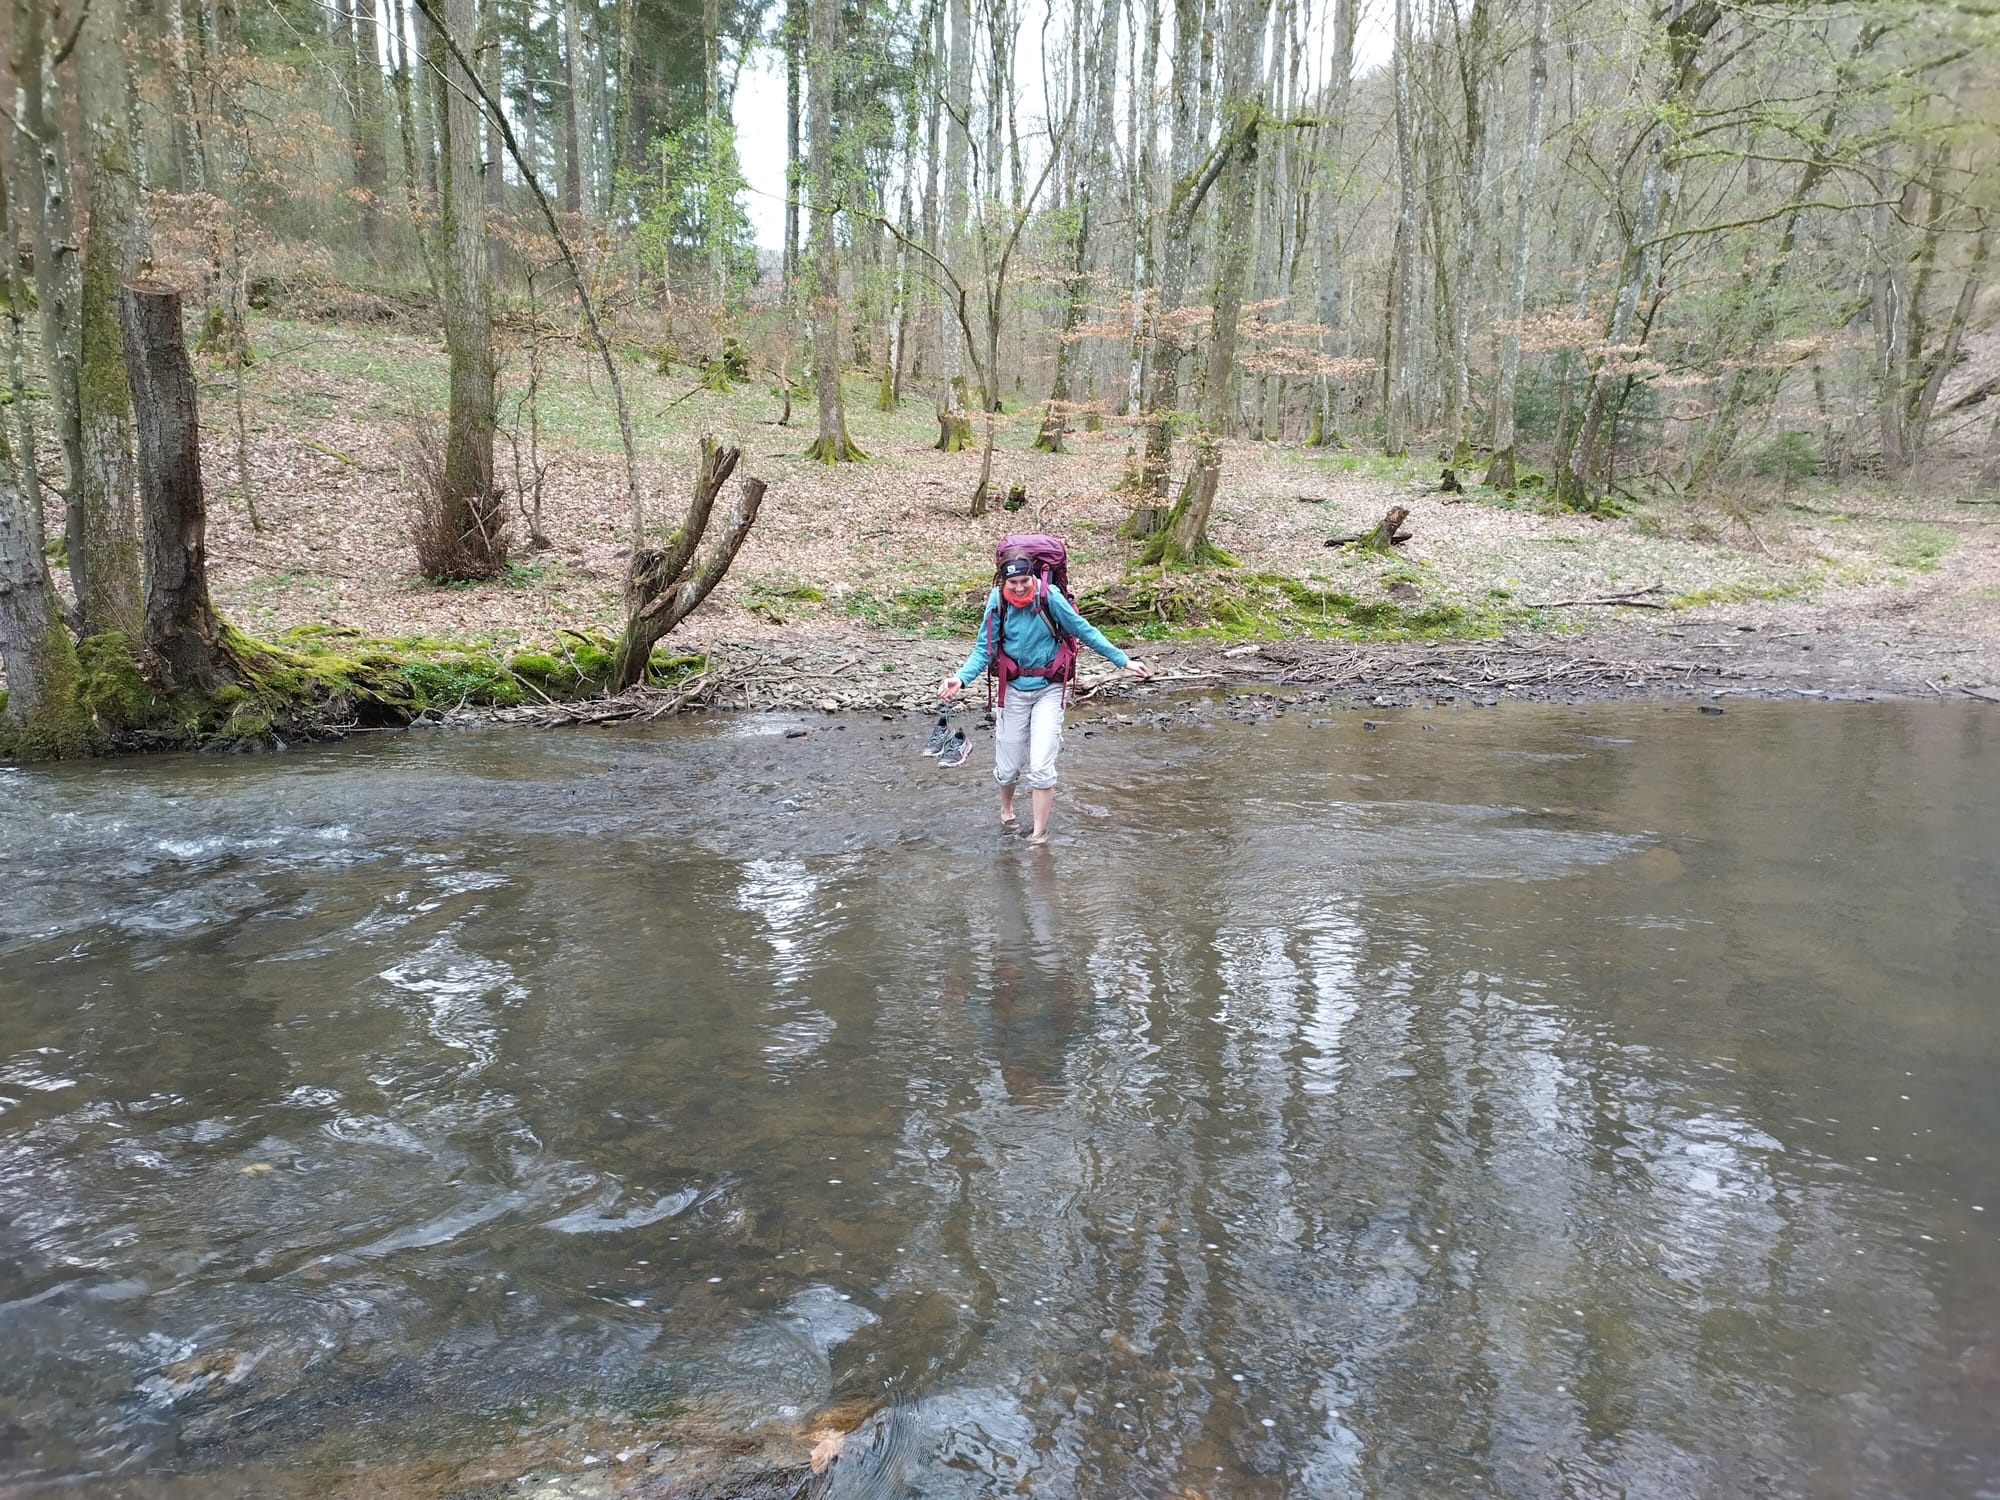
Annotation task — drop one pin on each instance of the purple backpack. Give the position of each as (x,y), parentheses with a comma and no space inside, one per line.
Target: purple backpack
(1051,560)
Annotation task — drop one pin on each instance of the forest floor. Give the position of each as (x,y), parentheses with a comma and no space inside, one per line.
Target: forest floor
(860,585)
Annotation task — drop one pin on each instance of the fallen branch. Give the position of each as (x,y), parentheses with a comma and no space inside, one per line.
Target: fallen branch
(320,447)
(1634,598)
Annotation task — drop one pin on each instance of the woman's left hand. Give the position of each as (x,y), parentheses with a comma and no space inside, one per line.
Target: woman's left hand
(1138,669)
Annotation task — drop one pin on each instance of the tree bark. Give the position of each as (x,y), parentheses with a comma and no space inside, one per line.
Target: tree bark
(468,305)
(957,161)
(1500,472)
(182,633)
(492,176)
(659,592)
(1191,177)
(1142,151)
(190,169)
(58,268)
(795,42)
(573,165)
(109,598)
(1398,375)
(35,647)
(833,445)
(1242,107)
(1582,467)
(371,168)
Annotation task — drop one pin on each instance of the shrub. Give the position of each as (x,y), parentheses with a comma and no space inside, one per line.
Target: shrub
(458,538)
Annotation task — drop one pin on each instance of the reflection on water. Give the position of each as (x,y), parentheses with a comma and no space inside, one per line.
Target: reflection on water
(1546,1101)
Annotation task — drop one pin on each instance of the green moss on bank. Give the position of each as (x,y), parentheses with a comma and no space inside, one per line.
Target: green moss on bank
(312,682)
(1264,606)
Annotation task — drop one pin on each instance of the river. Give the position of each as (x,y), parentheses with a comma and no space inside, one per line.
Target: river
(1536,1101)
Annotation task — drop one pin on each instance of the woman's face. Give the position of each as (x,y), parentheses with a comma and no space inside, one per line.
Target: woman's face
(1019,590)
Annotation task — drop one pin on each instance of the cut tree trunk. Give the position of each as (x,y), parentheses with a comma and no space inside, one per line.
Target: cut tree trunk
(183,634)
(660,592)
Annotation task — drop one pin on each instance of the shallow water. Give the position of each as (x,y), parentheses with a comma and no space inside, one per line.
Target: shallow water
(1528,1102)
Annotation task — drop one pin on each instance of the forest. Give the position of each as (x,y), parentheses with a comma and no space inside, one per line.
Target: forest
(1663,267)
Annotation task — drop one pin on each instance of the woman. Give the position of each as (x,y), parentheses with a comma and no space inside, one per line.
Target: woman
(1028,635)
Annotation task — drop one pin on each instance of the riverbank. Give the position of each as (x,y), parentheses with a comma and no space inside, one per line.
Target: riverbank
(860,585)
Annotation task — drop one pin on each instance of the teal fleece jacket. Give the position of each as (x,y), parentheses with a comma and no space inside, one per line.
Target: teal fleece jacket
(1026,635)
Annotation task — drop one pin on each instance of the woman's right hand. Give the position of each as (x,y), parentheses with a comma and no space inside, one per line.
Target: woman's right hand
(950,688)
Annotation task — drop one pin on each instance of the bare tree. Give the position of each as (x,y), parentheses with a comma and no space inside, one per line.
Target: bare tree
(1500,472)
(833,445)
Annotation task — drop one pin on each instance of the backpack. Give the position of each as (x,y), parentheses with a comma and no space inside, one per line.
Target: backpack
(1051,560)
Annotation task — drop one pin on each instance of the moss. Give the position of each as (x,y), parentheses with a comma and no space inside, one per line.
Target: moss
(1162,551)
(1157,606)
(60,727)
(110,686)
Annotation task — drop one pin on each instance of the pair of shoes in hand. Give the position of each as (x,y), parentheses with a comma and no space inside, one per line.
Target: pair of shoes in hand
(950,746)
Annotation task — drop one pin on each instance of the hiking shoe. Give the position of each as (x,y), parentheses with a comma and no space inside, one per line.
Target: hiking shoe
(940,732)
(956,750)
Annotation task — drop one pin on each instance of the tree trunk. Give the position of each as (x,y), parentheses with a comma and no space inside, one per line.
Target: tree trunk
(659,592)
(58,268)
(795,41)
(713,199)
(371,168)
(1500,473)
(1398,374)
(492,176)
(35,647)
(190,170)
(572,193)
(1475,68)
(1191,181)
(109,598)
(957,160)
(833,445)
(1242,109)
(43,720)
(1583,463)
(182,633)
(471,511)
(1142,150)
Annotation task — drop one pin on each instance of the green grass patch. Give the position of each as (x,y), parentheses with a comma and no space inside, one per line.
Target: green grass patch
(1920,548)
(1735,593)
(922,609)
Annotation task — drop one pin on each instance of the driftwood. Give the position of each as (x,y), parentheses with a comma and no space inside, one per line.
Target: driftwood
(1386,533)
(1635,598)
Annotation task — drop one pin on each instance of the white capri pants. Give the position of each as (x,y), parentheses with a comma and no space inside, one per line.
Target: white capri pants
(1027,737)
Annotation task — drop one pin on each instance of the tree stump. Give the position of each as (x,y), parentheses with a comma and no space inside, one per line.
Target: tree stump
(1387,533)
